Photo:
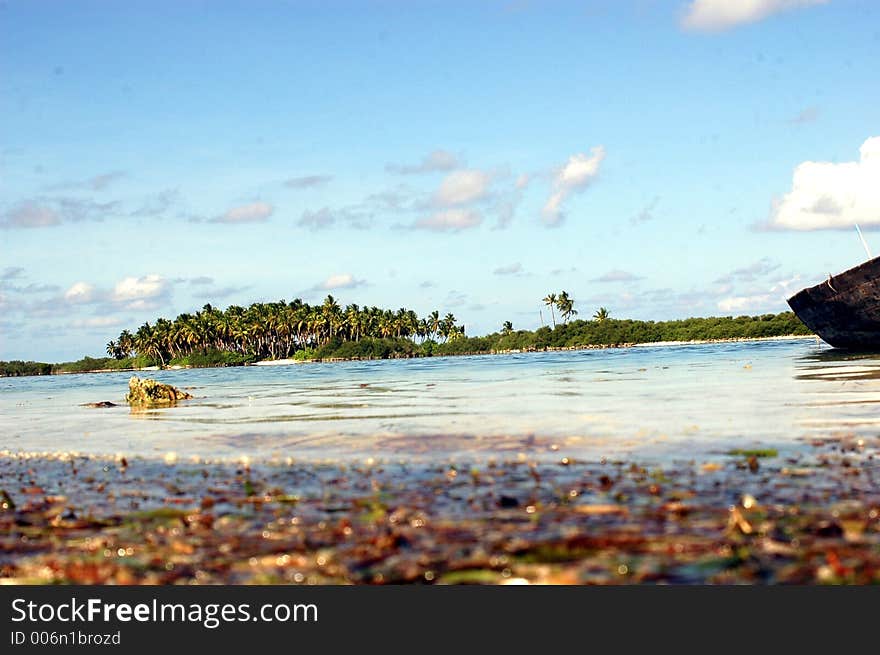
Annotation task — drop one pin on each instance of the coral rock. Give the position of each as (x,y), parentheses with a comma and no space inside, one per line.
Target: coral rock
(150,392)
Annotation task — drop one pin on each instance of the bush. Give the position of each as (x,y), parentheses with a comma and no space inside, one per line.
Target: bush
(213,358)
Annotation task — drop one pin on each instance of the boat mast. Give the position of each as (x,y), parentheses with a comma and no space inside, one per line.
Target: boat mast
(864,243)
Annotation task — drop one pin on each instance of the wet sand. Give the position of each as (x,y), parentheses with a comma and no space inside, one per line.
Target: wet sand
(739,517)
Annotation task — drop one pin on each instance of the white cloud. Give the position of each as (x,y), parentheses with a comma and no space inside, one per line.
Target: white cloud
(97,321)
(573,177)
(771,300)
(255,212)
(340,281)
(745,303)
(719,15)
(462,187)
(450,220)
(828,196)
(140,292)
(438,160)
(80,293)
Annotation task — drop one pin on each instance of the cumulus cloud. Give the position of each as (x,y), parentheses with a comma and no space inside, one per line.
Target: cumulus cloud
(768,299)
(450,220)
(720,15)
(339,281)
(617,275)
(745,303)
(255,212)
(575,176)
(148,292)
(80,293)
(433,162)
(307,181)
(462,187)
(140,292)
(509,269)
(832,196)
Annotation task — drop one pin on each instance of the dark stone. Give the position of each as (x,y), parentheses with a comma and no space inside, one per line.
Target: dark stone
(507,502)
(829,529)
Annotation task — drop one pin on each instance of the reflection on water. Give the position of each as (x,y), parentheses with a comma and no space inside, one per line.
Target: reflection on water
(665,400)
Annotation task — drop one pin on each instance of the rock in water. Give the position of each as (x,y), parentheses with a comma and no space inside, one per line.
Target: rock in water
(149,392)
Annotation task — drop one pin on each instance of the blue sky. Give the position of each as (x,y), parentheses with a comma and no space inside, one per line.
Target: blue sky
(664,159)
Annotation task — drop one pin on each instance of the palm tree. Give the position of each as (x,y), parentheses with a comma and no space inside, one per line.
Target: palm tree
(276,329)
(506,328)
(601,314)
(566,306)
(434,323)
(550,301)
(447,326)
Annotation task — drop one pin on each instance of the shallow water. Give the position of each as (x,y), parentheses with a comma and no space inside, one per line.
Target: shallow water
(664,401)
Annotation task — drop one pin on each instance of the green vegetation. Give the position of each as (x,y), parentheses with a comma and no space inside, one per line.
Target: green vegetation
(327,332)
(84,365)
(212,358)
(87,364)
(279,330)
(605,331)
(17,368)
(761,452)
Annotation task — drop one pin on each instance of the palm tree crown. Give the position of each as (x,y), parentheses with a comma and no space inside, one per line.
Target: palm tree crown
(276,330)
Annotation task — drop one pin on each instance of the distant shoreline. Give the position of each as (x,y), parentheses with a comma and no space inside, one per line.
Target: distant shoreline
(331,360)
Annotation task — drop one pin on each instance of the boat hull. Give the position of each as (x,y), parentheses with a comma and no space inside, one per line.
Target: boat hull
(845,309)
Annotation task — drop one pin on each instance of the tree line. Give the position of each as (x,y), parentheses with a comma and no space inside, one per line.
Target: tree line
(277,330)
(602,330)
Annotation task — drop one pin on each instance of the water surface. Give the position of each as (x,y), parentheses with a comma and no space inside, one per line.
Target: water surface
(665,401)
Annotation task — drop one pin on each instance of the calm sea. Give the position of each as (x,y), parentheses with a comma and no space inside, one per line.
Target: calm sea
(658,401)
